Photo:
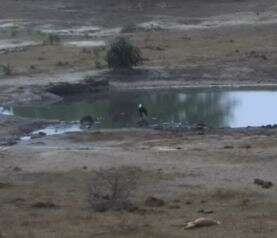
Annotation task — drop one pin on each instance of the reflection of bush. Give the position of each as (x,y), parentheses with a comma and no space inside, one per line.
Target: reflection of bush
(122,54)
(111,189)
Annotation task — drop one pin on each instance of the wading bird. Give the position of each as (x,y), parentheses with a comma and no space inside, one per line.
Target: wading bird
(142,111)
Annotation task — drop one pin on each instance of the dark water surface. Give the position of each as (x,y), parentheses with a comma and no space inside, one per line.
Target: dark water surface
(214,107)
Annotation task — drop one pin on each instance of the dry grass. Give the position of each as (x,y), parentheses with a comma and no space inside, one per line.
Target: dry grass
(73,216)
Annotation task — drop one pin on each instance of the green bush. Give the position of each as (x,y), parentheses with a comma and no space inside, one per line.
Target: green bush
(129,28)
(123,55)
(100,57)
(51,39)
(14,31)
(47,38)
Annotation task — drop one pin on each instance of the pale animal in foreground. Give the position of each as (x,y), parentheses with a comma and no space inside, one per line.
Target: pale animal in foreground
(200,222)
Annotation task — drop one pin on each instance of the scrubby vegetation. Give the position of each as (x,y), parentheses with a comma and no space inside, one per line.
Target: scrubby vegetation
(123,55)
(111,189)
(51,39)
(5,69)
(48,38)
(14,31)
(129,28)
(100,57)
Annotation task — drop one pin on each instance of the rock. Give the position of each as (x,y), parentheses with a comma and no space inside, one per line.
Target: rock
(245,146)
(263,183)
(8,142)
(228,147)
(106,204)
(205,211)
(258,181)
(38,143)
(174,207)
(245,202)
(268,126)
(253,52)
(19,200)
(5,185)
(157,127)
(17,169)
(159,48)
(35,136)
(87,122)
(154,202)
(38,135)
(85,86)
(264,57)
(201,222)
(267,184)
(142,123)
(44,205)
(200,126)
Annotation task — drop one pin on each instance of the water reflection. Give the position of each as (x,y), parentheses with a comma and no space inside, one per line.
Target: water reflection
(215,108)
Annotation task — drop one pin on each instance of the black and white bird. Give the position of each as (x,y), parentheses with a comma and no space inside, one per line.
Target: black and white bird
(142,111)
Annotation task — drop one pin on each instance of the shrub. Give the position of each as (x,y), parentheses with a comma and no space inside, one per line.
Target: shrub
(111,189)
(100,57)
(122,54)
(14,31)
(51,39)
(5,70)
(48,38)
(129,28)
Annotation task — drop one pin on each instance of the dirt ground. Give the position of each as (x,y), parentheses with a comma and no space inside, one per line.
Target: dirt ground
(212,172)
(184,44)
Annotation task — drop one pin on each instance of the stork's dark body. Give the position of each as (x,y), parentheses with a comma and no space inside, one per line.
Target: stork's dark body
(142,112)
